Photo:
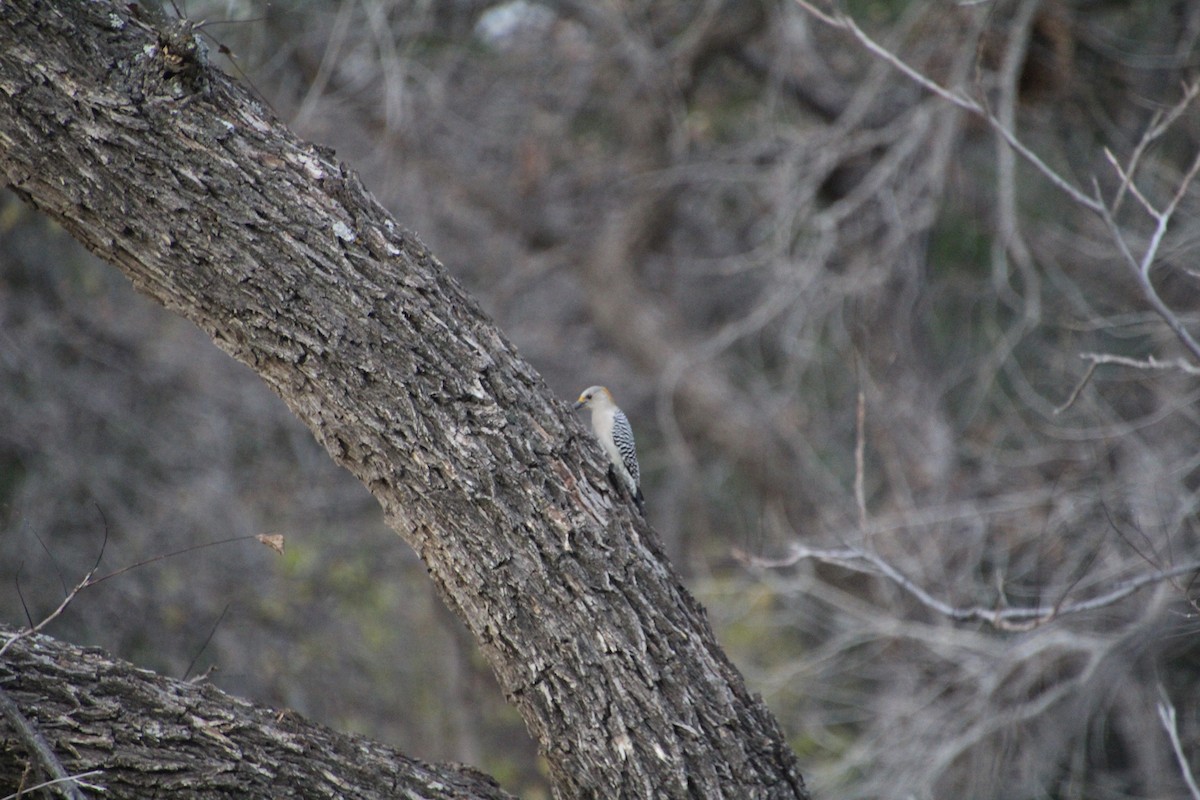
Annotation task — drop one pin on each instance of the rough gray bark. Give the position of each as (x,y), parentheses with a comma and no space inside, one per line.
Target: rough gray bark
(122,133)
(150,736)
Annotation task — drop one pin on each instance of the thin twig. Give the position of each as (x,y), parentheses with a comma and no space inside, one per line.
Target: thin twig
(1087,377)
(1163,218)
(32,629)
(172,554)
(38,747)
(1182,188)
(212,631)
(83,584)
(860,497)
(1141,267)
(1166,713)
(1127,182)
(1159,125)
(44,784)
(90,580)
(62,579)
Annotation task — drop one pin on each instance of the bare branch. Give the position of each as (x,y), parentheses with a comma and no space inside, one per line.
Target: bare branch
(1141,267)
(1093,202)
(1158,126)
(1148,363)
(1006,618)
(840,20)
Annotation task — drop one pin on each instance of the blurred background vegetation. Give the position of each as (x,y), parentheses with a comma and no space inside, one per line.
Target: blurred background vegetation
(738,219)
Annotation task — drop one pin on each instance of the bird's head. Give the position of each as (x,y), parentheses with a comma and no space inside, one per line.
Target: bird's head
(593,397)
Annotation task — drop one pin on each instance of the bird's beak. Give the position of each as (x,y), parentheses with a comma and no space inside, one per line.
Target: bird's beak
(580,403)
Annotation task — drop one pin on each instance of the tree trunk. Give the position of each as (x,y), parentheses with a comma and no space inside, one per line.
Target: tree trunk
(119,130)
(149,736)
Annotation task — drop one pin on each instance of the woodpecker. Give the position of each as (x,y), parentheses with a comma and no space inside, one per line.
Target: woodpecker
(611,427)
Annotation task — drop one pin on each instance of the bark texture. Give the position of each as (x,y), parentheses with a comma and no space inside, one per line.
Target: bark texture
(119,129)
(150,736)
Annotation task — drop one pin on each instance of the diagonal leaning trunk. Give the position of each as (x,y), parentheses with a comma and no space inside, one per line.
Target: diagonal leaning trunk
(118,129)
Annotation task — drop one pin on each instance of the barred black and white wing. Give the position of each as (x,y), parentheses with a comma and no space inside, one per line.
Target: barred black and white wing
(622,435)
